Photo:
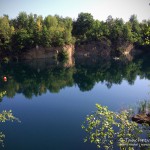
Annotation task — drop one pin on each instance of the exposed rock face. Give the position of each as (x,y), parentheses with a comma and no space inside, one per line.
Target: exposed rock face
(128,48)
(41,52)
(69,49)
(102,49)
(95,49)
(50,54)
(141,118)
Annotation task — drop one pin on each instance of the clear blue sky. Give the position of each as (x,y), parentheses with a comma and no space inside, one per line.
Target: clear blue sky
(100,9)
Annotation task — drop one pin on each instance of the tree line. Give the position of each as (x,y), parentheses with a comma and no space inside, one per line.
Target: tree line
(29,30)
(115,31)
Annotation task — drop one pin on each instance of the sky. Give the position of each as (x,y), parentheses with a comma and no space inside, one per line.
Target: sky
(100,9)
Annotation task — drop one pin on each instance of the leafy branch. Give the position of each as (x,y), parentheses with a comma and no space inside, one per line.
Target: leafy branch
(106,128)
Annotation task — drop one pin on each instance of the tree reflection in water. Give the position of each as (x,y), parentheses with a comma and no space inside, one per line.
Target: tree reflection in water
(35,78)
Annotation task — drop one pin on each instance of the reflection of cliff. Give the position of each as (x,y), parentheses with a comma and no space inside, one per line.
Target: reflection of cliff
(36,77)
(93,49)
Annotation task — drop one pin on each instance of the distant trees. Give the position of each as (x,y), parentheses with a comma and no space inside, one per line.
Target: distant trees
(21,40)
(82,26)
(86,29)
(135,29)
(6,31)
(28,30)
(145,33)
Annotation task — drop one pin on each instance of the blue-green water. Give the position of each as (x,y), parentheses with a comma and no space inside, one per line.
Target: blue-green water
(52,101)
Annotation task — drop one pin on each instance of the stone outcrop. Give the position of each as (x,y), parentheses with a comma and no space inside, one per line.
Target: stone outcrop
(69,49)
(94,49)
(52,52)
(141,118)
(127,49)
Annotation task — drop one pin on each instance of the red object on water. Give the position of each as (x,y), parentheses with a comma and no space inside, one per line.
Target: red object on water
(5,79)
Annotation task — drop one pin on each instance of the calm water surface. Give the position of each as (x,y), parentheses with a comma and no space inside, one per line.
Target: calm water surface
(52,101)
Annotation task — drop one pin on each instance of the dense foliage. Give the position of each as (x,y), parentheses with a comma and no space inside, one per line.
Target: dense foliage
(118,32)
(27,31)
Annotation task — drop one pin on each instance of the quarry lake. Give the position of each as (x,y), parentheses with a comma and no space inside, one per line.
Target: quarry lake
(52,100)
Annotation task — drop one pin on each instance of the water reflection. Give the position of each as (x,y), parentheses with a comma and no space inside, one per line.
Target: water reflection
(36,77)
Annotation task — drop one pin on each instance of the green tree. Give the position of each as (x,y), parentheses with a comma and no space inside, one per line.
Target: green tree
(38,30)
(145,27)
(136,30)
(96,31)
(31,24)
(127,32)
(50,21)
(82,25)
(22,20)
(46,37)
(21,41)
(6,31)
(67,35)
